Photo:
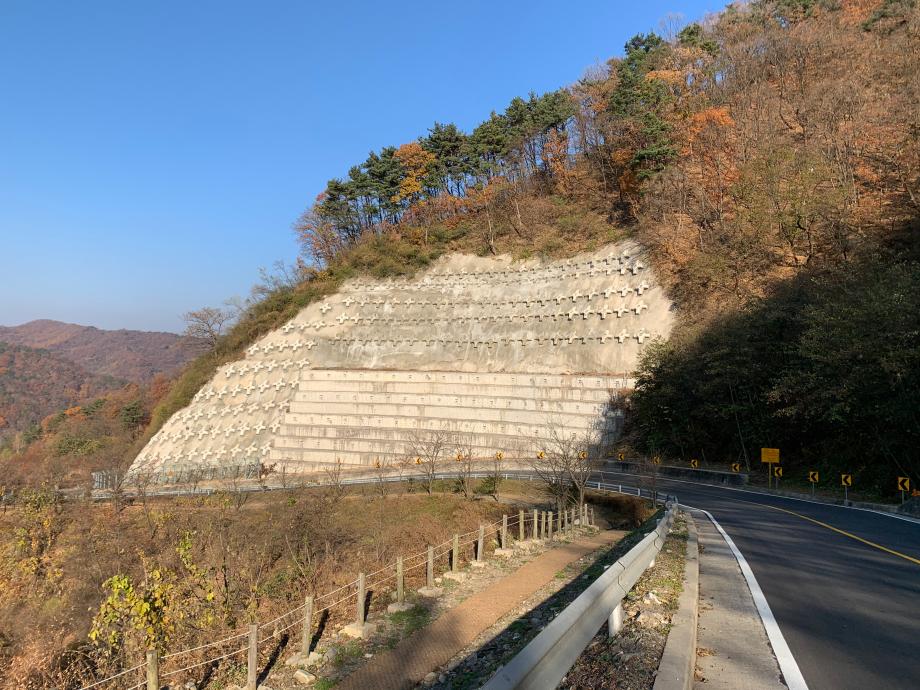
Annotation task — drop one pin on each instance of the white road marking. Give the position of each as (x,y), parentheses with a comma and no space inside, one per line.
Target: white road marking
(787,664)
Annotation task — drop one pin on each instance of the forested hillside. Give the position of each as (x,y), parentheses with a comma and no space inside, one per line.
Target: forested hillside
(35,383)
(770,159)
(135,356)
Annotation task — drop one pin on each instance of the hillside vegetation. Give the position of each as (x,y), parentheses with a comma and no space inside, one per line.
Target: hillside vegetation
(769,159)
(35,383)
(135,356)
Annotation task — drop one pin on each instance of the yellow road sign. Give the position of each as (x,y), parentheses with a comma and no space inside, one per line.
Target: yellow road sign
(846,480)
(499,455)
(656,459)
(583,455)
(621,456)
(694,463)
(736,467)
(769,455)
(813,477)
(541,455)
(904,483)
(778,472)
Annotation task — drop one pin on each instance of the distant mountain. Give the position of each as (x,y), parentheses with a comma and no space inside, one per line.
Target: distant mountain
(135,356)
(35,383)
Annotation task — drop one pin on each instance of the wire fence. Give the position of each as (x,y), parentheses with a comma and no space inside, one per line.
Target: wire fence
(351,591)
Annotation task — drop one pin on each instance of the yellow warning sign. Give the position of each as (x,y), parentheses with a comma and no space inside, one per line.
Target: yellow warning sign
(813,476)
(778,472)
(694,463)
(621,456)
(904,483)
(736,467)
(846,480)
(656,459)
(769,455)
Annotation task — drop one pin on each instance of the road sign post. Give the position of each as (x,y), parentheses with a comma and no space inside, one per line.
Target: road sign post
(812,479)
(778,473)
(847,481)
(903,486)
(771,457)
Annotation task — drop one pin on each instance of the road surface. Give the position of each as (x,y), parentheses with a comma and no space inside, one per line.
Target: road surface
(843,584)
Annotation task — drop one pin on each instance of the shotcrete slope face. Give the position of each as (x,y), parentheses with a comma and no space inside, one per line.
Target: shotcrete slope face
(481,353)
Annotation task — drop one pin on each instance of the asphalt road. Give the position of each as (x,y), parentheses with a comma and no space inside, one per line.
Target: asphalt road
(849,610)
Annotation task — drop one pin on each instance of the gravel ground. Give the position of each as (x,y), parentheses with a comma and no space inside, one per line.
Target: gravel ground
(630,660)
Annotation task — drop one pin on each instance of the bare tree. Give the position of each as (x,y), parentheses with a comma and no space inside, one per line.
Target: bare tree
(381,470)
(430,449)
(207,323)
(496,479)
(465,459)
(336,486)
(585,461)
(553,463)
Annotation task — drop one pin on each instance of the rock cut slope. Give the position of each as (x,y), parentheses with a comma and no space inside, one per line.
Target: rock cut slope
(492,354)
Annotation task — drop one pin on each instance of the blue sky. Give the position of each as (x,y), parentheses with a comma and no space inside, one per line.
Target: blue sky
(153,155)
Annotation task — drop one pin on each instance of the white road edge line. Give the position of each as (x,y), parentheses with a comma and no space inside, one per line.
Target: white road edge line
(903,518)
(787,664)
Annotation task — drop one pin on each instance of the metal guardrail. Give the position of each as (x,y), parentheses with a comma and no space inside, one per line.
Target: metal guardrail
(549,656)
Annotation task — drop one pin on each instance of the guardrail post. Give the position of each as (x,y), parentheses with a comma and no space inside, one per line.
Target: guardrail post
(429,580)
(550,522)
(520,525)
(504,531)
(534,533)
(362,597)
(400,580)
(252,658)
(153,670)
(481,543)
(455,555)
(615,620)
(543,524)
(307,634)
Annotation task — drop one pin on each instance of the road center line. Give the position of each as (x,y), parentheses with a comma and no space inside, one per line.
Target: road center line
(840,531)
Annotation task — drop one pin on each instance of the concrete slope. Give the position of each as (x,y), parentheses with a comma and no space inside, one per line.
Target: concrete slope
(475,345)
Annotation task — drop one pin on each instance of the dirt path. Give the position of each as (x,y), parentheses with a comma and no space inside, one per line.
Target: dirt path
(424,651)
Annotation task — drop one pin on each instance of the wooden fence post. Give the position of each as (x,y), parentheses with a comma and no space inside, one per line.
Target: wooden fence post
(153,670)
(504,531)
(430,574)
(534,532)
(252,658)
(520,525)
(549,523)
(481,543)
(362,597)
(455,555)
(400,580)
(307,635)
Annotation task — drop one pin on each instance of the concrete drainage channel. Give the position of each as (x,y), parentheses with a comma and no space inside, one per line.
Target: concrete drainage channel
(548,657)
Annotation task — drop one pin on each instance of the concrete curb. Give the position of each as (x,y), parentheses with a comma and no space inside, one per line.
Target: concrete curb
(678,662)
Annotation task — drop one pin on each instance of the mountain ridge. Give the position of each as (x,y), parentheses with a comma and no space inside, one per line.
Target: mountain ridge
(126,354)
